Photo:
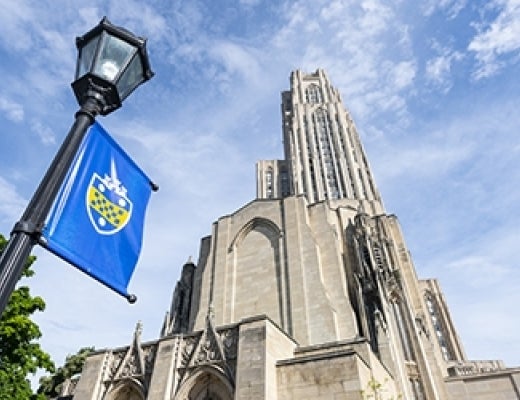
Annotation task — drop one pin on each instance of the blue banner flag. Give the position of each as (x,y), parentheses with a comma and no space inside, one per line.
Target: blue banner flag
(97,219)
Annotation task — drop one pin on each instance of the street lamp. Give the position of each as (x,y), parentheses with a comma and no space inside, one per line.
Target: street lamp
(111,63)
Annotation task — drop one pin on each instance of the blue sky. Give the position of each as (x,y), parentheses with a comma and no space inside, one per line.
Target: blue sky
(432,86)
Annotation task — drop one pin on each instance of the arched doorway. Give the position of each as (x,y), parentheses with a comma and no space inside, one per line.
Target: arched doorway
(126,390)
(206,384)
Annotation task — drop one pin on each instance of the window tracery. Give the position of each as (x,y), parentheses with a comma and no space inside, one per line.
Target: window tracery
(313,94)
(269,183)
(433,311)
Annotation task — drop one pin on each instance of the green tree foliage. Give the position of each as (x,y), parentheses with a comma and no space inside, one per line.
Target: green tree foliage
(20,354)
(51,385)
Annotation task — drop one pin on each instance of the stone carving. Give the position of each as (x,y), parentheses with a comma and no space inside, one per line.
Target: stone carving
(149,358)
(229,338)
(131,367)
(189,346)
(209,347)
(135,361)
(218,349)
(117,359)
(393,286)
(419,321)
(208,351)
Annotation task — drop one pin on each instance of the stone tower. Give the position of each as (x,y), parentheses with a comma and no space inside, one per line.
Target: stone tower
(306,292)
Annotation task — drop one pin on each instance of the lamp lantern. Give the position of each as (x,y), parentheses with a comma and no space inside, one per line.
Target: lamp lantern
(112,62)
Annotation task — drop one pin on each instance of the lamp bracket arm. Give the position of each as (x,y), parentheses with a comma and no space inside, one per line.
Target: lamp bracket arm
(27,227)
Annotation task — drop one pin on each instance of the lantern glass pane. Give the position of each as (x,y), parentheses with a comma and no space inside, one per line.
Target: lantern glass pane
(114,55)
(131,78)
(86,55)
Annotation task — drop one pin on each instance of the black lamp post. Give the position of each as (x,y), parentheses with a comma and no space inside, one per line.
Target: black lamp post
(112,62)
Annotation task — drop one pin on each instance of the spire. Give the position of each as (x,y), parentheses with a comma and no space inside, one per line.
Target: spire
(324,158)
(210,348)
(133,363)
(177,320)
(165,330)
(322,147)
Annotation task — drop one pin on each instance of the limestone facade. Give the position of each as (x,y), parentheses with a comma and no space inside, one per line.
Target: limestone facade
(307,292)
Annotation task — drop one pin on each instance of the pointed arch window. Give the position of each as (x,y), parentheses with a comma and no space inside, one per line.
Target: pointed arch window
(284,178)
(269,183)
(313,94)
(325,149)
(438,326)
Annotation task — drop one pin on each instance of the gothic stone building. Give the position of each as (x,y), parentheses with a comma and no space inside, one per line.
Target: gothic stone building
(307,292)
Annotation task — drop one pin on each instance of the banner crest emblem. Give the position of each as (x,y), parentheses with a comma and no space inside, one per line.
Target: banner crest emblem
(108,205)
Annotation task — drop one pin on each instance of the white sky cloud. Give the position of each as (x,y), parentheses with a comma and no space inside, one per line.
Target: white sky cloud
(497,38)
(439,68)
(250,2)
(237,60)
(451,7)
(356,36)
(480,271)
(404,74)
(11,203)
(45,134)
(423,160)
(12,109)
(15,17)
